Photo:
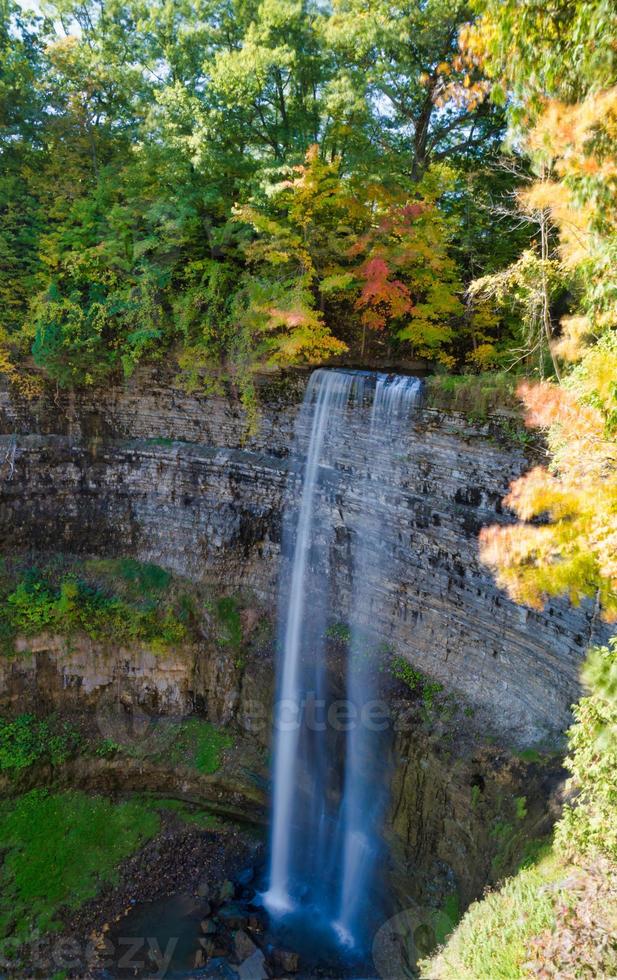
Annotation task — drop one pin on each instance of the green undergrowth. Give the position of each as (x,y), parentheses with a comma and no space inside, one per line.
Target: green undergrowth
(478,395)
(118,600)
(194,743)
(58,849)
(415,681)
(187,813)
(560,909)
(27,740)
(230,623)
(491,941)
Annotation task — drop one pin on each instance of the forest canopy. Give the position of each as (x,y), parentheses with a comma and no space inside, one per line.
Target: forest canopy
(232,185)
(240,183)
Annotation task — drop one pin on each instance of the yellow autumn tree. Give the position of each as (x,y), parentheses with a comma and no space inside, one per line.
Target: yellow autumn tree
(558,62)
(566,541)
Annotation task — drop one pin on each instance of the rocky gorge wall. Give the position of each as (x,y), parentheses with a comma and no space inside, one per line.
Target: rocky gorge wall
(147,470)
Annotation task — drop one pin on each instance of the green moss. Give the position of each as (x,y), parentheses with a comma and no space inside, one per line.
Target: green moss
(529,755)
(189,814)
(201,743)
(339,633)
(58,850)
(415,680)
(476,796)
(520,804)
(447,917)
(147,576)
(228,615)
(403,671)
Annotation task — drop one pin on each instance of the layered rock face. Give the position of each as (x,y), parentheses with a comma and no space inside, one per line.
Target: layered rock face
(147,470)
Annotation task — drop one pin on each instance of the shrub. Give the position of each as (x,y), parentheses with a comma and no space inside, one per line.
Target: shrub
(27,740)
(590,824)
(70,605)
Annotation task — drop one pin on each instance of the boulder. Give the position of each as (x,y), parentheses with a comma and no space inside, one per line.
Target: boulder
(199,960)
(203,889)
(243,945)
(226,892)
(254,967)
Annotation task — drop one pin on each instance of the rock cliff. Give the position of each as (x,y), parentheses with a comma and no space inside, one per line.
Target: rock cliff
(147,470)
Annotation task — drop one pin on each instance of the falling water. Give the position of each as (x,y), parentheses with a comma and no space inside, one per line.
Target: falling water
(326,800)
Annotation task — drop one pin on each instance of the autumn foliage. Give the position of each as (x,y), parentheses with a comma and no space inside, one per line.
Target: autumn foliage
(567,541)
(330,250)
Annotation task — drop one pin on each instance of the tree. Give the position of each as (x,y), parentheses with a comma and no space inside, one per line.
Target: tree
(332,248)
(402,55)
(568,541)
(559,66)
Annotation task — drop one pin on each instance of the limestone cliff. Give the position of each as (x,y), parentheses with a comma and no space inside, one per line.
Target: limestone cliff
(147,470)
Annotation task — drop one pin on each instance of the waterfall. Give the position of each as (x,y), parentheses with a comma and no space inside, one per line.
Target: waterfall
(327,799)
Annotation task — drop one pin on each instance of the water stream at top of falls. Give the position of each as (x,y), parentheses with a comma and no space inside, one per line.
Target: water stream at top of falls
(328,765)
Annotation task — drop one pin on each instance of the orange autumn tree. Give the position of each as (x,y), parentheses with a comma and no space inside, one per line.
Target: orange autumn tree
(408,283)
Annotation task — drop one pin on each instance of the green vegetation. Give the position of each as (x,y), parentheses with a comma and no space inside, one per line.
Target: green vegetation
(234,185)
(144,578)
(561,907)
(201,743)
(58,849)
(589,824)
(228,615)
(194,743)
(122,601)
(27,740)
(478,395)
(339,633)
(491,941)
(416,681)
(187,813)
(447,917)
(529,755)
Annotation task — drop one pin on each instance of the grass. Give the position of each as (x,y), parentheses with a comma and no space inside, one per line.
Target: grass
(491,940)
(60,848)
(58,851)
